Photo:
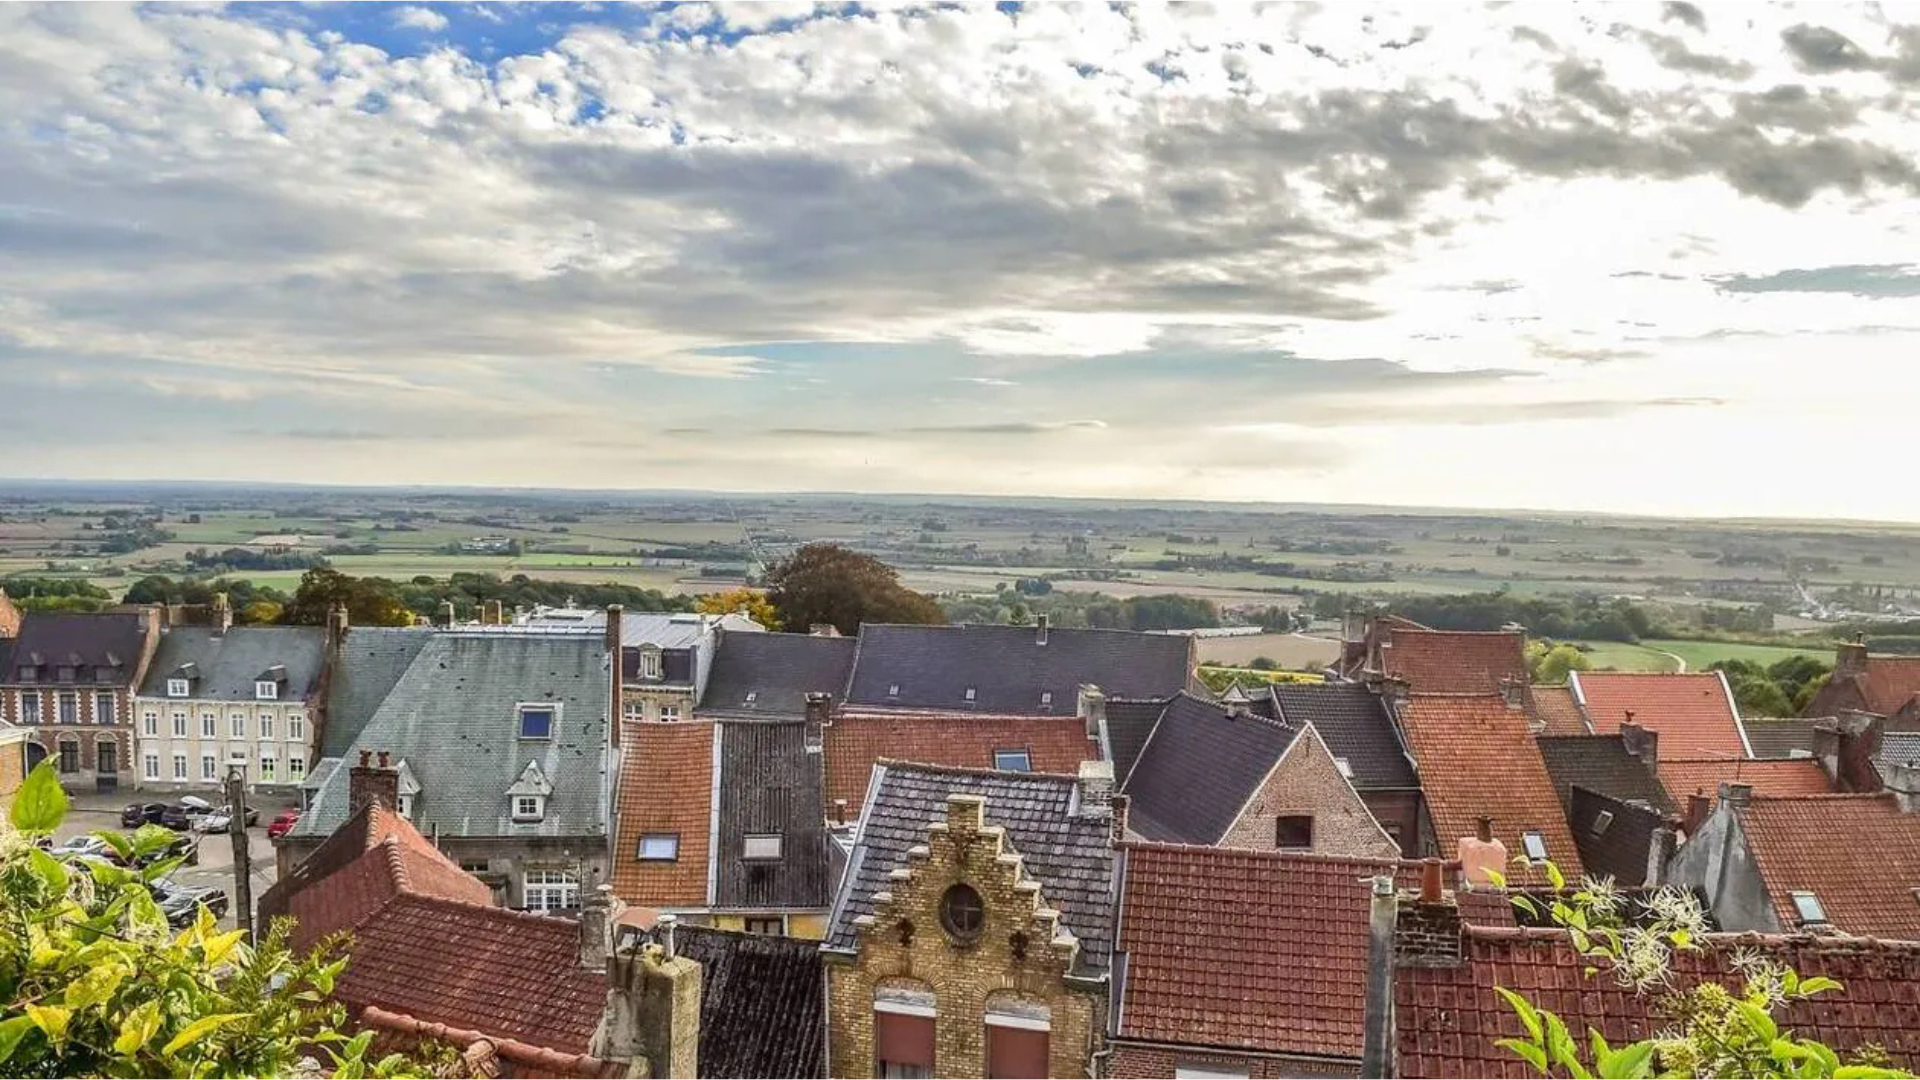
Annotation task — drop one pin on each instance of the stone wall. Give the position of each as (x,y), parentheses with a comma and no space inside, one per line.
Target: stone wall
(1307,781)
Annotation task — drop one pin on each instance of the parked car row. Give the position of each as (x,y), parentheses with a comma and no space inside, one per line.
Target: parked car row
(190,813)
(92,847)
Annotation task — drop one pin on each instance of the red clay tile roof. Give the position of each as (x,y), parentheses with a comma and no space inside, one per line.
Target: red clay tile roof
(1449,1017)
(856,739)
(1254,950)
(1692,712)
(508,973)
(1890,682)
(666,786)
(1455,661)
(338,884)
(1797,776)
(1554,707)
(1477,757)
(1857,853)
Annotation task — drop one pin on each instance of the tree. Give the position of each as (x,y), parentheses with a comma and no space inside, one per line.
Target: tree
(1549,663)
(93,981)
(369,601)
(749,602)
(828,583)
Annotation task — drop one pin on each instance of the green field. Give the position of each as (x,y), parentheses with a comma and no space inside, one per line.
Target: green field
(1620,656)
(1654,655)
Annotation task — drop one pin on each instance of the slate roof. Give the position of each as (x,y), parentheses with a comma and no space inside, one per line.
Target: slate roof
(1779,737)
(371,661)
(227,665)
(1129,722)
(1614,837)
(92,643)
(453,718)
(1557,712)
(666,786)
(1198,770)
(1858,853)
(856,740)
(1449,1018)
(1069,854)
(1901,747)
(676,667)
(1455,661)
(762,1003)
(1693,712)
(778,670)
(770,784)
(1600,763)
(1009,669)
(1251,950)
(667,629)
(1355,724)
(1800,776)
(1477,757)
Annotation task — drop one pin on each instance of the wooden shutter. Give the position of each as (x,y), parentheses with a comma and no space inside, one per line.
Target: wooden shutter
(1016,1052)
(903,1039)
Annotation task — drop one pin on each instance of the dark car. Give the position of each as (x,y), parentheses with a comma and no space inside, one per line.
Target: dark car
(138,814)
(181,846)
(180,815)
(181,903)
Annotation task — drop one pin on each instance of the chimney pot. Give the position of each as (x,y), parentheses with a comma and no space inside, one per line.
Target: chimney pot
(666,924)
(1430,883)
(369,783)
(382,755)
(839,811)
(446,613)
(1483,829)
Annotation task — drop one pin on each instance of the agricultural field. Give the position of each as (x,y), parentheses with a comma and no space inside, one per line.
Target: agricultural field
(1294,652)
(1668,655)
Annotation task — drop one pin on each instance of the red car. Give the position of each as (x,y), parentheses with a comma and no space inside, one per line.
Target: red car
(283,823)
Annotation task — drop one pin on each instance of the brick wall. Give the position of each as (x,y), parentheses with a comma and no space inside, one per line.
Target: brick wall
(904,945)
(1159,1063)
(1308,782)
(12,765)
(1398,812)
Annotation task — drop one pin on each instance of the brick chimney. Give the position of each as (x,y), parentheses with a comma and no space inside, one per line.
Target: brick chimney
(1040,629)
(1427,933)
(596,928)
(1514,693)
(1845,747)
(222,614)
(1698,807)
(1851,658)
(1096,789)
(1378,1035)
(1641,742)
(652,1016)
(370,782)
(819,714)
(1119,803)
(617,664)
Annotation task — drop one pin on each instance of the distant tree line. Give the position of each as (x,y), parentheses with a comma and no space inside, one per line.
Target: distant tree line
(238,558)
(1781,688)
(55,594)
(1069,608)
(1577,616)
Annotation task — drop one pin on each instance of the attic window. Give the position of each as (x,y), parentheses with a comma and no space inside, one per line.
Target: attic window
(1046,699)
(970,693)
(1345,767)
(1807,906)
(760,848)
(536,721)
(1293,832)
(405,807)
(529,808)
(659,847)
(753,696)
(893,690)
(266,690)
(177,688)
(1013,760)
(1535,845)
(1601,822)
(1799,752)
(649,663)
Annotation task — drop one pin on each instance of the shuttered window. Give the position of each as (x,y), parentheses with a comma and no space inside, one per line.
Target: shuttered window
(902,1044)
(1015,1052)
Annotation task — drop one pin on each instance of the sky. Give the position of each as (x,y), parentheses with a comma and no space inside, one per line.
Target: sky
(1645,258)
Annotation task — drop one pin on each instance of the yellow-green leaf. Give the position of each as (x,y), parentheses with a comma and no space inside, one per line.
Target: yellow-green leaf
(1529,1016)
(1533,1054)
(138,1028)
(1819,984)
(198,1030)
(41,803)
(51,1019)
(218,947)
(96,986)
(11,1032)
(52,874)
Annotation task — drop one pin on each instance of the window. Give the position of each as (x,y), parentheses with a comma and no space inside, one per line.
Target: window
(266,725)
(69,707)
(296,767)
(903,1034)
(1535,846)
(634,710)
(179,766)
(1345,767)
(552,890)
(1046,699)
(1013,760)
(773,925)
(406,807)
(659,847)
(65,673)
(209,767)
(753,696)
(29,706)
(761,847)
(69,756)
(180,724)
(1807,906)
(103,708)
(1017,1044)
(971,695)
(1188,1070)
(209,726)
(150,766)
(176,688)
(893,690)
(527,808)
(296,725)
(536,721)
(962,913)
(267,763)
(237,725)
(1293,832)
(1601,822)
(669,714)
(475,866)
(150,723)
(266,690)
(106,757)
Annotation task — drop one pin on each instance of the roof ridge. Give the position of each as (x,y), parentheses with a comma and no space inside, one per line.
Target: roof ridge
(1271,855)
(1830,796)
(527,917)
(1740,938)
(971,770)
(397,863)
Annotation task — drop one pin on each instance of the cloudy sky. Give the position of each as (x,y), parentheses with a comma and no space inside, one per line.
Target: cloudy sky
(1637,257)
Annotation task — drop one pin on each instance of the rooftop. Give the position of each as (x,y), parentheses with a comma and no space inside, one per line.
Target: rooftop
(1557,712)
(1693,712)
(762,1003)
(1859,854)
(1779,737)
(1011,670)
(1129,722)
(371,661)
(227,666)
(856,739)
(1455,661)
(772,674)
(1199,768)
(1355,724)
(1800,776)
(665,790)
(667,629)
(1601,763)
(95,649)
(770,784)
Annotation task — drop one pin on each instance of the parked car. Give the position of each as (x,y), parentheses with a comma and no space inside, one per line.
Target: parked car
(283,823)
(83,847)
(138,814)
(220,818)
(180,815)
(181,846)
(181,903)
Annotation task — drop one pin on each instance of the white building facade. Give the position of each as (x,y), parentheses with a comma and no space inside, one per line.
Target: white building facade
(215,700)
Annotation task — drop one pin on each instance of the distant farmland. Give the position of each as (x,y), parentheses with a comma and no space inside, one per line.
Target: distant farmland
(1288,650)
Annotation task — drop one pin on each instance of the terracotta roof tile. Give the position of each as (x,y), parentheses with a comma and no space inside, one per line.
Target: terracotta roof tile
(1890,682)
(1477,757)
(666,786)
(1280,937)
(856,739)
(1684,777)
(1449,1018)
(336,885)
(1859,854)
(1455,661)
(1555,708)
(1692,712)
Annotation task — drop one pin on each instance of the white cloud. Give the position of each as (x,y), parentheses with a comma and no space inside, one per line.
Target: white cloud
(419,18)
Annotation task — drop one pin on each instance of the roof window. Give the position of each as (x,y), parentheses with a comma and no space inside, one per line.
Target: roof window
(1535,845)
(1807,906)
(1013,760)
(1345,767)
(1601,822)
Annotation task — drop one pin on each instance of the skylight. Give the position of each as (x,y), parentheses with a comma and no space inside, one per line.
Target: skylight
(1601,822)
(1808,907)
(1535,845)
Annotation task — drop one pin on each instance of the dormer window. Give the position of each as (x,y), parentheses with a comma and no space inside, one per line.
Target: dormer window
(1602,822)
(529,807)
(1807,906)
(527,796)
(66,673)
(763,847)
(893,690)
(406,807)
(265,690)
(536,721)
(970,693)
(753,696)
(650,663)
(1535,845)
(1046,699)
(177,687)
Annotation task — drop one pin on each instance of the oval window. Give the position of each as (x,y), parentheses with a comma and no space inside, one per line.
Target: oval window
(962,914)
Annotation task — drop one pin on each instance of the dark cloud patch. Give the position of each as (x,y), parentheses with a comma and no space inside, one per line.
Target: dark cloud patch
(1682,12)
(1673,53)
(1822,50)
(1586,82)
(1878,282)
(1584,355)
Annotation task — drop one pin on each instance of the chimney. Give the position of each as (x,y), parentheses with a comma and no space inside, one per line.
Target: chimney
(1513,692)
(839,811)
(1642,743)
(823,629)
(819,715)
(336,627)
(1432,888)
(1698,807)
(1845,747)
(596,927)
(369,783)
(222,614)
(1378,1036)
(1427,933)
(1040,629)
(1091,706)
(1660,848)
(493,613)
(1096,789)
(617,665)
(1118,809)
(1481,853)
(1851,658)
(446,613)
(1902,779)
(1736,795)
(652,1017)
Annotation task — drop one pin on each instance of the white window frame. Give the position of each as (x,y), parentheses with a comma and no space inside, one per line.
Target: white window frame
(1025,755)
(529,807)
(209,767)
(669,714)
(237,725)
(179,725)
(60,703)
(761,847)
(1530,839)
(150,766)
(179,687)
(520,710)
(1196,1070)
(105,708)
(268,766)
(266,690)
(266,724)
(665,847)
(209,725)
(150,723)
(550,890)
(29,706)
(405,807)
(633,710)
(297,725)
(649,663)
(179,766)
(296,767)
(972,694)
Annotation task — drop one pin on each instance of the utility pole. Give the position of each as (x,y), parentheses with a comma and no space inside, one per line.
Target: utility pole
(242,853)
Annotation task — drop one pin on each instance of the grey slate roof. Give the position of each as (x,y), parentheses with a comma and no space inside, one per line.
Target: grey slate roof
(452,718)
(667,629)
(762,1003)
(779,670)
(227,665)
(1601,764)
(1779,737)
(1354,723)
(770,784)
(371,661)
(676,667)
(1129,722)
(1901,747)
(1009,669)
(1619,850)
(1069,855)
(95,645)
(1199,768)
